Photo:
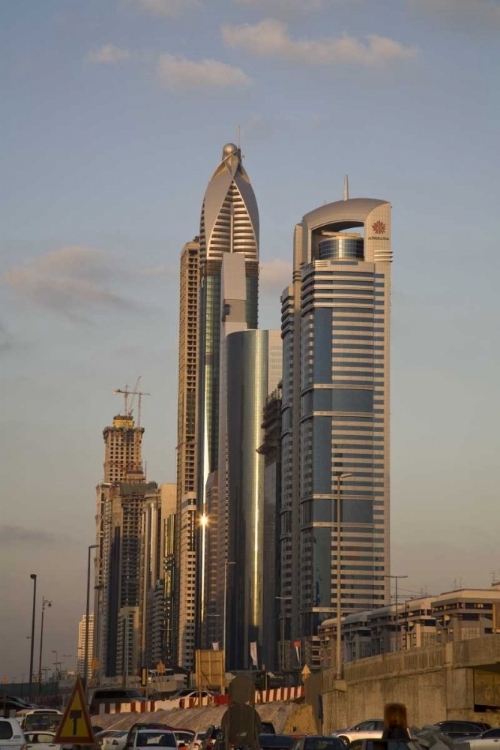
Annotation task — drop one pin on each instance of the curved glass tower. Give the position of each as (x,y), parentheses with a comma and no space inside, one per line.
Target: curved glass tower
(229,224)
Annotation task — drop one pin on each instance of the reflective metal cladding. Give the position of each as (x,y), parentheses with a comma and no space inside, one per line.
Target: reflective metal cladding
(254,366)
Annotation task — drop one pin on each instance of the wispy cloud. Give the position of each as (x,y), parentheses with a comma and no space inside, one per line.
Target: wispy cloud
(275,275)
(271,38)
(108,54)
(21,535)
(484,14)
(70,281)
(283,5)
(161,270)
(177,72)
(167,8)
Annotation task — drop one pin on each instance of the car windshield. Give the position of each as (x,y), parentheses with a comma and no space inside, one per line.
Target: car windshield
(44,721)
(40,737)
(161,739)
(323,743)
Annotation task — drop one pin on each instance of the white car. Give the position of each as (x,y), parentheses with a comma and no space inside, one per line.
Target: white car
(183,737)
(153,738)
(197,741)
(39,719)
(365,730)
(42,740)
(112,739)
(11,735)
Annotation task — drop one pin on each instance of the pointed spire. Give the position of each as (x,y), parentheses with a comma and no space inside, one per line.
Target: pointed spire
(346,187)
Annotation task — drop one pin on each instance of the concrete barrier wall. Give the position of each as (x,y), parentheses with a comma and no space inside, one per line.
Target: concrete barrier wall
(435,683)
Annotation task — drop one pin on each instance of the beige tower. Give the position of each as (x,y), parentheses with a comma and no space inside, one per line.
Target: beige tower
(123,451)
(184,615)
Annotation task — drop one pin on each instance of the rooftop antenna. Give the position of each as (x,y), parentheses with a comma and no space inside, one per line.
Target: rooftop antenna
(346,187)
(238,136)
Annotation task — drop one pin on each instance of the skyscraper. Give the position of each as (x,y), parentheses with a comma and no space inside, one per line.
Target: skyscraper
(185,556)
(123,450)
(254,368)
(335,418)
(80,652)
(229,224)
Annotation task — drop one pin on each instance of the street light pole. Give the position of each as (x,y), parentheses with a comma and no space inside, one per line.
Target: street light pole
(398,634)
(87,611)
(56,663)
(224,623)
(338,656)
(45,603)
(282,618)
(32,651)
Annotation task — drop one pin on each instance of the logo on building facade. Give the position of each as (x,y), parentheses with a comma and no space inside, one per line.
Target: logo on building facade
(379,227)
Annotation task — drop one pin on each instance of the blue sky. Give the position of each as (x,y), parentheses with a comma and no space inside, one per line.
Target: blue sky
(114,114)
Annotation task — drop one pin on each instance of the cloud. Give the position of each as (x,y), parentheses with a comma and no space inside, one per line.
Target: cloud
(275,275)
(15,535)
(168,8)
(108,55)
(177,72)
(161,270)
(69,280)
(283,5)
(478,13)
(270,38)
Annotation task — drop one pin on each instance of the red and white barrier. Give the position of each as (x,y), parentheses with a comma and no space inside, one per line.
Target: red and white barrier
(279,694)
(145,707)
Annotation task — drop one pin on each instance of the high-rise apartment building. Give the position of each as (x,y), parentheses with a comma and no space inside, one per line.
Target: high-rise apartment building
(185,557)
(335,440)
(229,224)
(254,369)
(123,450)
(80,651)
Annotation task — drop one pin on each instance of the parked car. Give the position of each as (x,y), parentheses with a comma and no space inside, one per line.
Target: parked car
(114,695)
(489,740)
(192,693)
(319,742)
(455,729)
(210,737)
(11,735)
(183,736)
(42,740)
(276,741)
(370,725)
(148,738)
(349,736)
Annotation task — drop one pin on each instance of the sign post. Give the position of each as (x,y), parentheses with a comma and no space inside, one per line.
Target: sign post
(75,727)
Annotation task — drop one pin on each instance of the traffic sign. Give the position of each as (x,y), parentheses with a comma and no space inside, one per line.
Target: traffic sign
(75,727)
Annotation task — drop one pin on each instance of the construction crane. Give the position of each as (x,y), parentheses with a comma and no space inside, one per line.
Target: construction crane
(126,393)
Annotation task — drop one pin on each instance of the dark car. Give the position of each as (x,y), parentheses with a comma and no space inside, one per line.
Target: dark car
(276,741)
(267,727)
(319,742)
(211,737)
(454,729)
(144,725)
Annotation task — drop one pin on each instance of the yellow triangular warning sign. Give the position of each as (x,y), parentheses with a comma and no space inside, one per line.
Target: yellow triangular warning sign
(75,727)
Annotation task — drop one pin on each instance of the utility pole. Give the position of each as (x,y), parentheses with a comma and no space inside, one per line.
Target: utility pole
(338,655)
(32,652)
(398,634)
(87,615)
(45,603)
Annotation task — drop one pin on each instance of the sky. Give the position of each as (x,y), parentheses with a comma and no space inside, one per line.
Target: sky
(114,115)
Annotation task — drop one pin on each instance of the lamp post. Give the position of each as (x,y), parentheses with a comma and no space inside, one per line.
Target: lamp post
(282,618)
(45,603)
(398,634)
(224,616)
(56,664)
(32,649)
(338,643)
(87,612)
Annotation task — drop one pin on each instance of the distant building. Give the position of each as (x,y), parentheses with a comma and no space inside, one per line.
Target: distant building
(184,595)
(80,651)
(453,616)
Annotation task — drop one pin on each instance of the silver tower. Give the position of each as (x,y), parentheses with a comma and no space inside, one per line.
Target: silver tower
(335,440)
(229,224)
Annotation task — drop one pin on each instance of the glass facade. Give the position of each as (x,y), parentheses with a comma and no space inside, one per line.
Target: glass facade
(254,367)
(341,247)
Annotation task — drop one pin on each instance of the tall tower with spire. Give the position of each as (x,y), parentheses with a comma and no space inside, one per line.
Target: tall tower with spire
(229,224)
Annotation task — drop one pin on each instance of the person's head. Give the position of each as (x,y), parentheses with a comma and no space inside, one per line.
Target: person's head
(395,715)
